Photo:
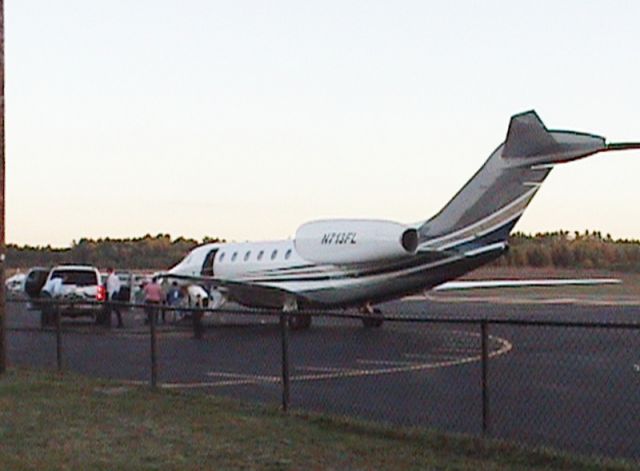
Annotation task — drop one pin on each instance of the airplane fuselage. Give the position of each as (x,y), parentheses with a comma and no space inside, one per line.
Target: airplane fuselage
(277,265)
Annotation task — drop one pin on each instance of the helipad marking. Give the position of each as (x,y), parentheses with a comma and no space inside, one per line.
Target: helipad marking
(322,369)
(437,351)
(385,362)
(238,379)
(425,356)
(245,376)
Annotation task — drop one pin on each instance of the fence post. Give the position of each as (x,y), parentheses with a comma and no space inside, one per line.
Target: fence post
(485,386)
(58,320)
(131,288)
(153,312)
(284,329)
(196,317)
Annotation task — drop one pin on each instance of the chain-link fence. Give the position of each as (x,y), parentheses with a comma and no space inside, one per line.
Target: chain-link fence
(568,385)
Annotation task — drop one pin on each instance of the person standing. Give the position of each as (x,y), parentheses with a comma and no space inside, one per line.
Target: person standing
(113,286)
(153,297)
(174,299)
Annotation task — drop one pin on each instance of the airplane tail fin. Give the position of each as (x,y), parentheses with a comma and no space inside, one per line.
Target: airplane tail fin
(487,208)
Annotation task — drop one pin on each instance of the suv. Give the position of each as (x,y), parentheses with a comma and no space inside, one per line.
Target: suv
(77,284)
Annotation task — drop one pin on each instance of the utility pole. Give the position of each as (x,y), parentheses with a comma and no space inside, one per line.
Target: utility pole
(3,311)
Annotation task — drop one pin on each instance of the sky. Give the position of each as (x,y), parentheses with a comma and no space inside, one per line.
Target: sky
(245,119)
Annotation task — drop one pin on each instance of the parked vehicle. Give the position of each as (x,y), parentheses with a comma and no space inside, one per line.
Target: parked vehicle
(15,283)
(79,285)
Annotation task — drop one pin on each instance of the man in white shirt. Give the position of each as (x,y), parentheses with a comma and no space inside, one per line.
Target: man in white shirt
(54,287)
(113,288)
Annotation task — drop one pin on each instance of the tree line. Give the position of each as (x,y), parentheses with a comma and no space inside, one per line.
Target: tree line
(148,252)
(561,249)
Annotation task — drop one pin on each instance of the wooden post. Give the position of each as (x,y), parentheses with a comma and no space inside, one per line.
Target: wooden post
(3,312)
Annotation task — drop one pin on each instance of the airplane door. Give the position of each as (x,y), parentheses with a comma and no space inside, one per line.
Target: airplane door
(207,265)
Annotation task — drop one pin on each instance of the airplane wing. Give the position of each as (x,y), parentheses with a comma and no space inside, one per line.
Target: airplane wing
(236,290)
(484,284)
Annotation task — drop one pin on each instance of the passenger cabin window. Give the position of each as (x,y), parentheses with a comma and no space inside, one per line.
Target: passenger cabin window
(287,255)
(234,256)
(222,256)
(274,254)
(260,255)
(247,255)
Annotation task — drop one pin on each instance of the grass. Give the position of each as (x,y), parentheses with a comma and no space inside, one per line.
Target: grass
(51,421)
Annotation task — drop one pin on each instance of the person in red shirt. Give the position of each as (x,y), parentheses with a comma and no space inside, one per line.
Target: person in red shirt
(153,297)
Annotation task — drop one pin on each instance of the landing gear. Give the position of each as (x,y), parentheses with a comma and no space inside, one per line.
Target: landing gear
(299,321)
(296,320)
(372,316)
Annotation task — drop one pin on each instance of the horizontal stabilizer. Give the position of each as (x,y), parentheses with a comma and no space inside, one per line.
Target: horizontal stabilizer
(529,142)
(527,136)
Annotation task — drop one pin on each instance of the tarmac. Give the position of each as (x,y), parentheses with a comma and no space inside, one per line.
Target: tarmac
(571,388)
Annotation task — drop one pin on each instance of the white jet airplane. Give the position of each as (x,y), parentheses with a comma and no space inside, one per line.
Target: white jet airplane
(345,263)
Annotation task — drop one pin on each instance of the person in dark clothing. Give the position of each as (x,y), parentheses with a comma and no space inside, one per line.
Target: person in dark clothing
(174,298)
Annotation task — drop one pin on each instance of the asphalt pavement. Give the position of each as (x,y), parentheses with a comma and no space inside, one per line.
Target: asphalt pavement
(573,388)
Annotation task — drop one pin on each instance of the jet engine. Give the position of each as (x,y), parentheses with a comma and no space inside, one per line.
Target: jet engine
(346,241)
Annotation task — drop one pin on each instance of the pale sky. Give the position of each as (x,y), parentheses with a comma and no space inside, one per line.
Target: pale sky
(244,119)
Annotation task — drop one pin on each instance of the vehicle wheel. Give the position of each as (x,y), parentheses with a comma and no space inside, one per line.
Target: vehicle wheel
(299,321)
(374,319)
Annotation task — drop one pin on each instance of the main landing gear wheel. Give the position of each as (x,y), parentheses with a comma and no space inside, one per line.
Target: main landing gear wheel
(295,319)
(299,321)
(372,317)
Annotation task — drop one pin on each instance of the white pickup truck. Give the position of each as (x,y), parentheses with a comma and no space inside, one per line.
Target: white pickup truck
(80,285)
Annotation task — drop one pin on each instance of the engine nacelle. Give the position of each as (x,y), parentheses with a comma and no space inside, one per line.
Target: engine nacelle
(344,241)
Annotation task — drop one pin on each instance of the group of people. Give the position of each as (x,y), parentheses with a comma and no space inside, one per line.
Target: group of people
(154,298)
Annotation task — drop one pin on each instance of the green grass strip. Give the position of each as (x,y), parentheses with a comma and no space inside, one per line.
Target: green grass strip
(51,421)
